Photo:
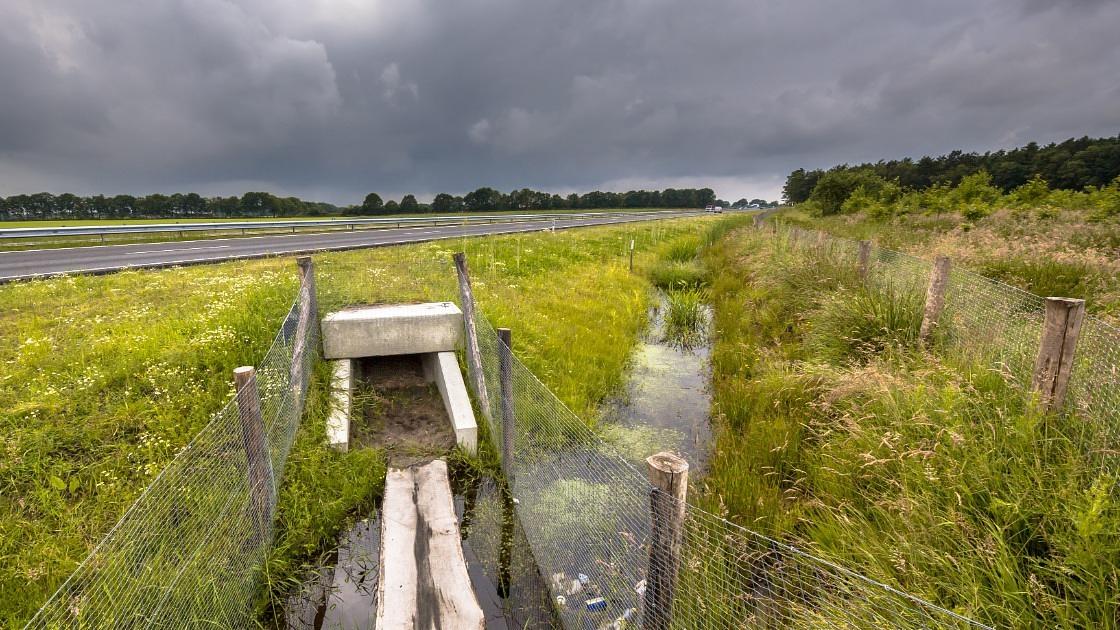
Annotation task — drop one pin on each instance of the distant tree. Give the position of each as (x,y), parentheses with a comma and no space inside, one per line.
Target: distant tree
(391,207)
(409,205)
(484,199)
(835,186)
(372,204)
(443,203)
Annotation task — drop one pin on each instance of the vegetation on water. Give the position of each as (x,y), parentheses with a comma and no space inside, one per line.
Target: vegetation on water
(107,377)
(923,469)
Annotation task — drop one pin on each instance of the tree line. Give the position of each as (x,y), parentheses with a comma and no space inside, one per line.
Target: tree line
(262,204)
(1075,164)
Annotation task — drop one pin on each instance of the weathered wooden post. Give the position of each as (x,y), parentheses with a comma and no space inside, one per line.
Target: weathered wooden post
(864,262)
(253,439)
(505,375)
(757,220)
(631,255)
(935,297)
(820,238)
(1054,365)
(668,473)
(307,314)
(474,355)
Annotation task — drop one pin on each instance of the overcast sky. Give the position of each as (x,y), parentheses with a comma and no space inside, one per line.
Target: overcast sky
(330,99)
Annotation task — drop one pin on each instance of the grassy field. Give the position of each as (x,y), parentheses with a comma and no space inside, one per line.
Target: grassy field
(921,468)
(107,377)
(1068,252)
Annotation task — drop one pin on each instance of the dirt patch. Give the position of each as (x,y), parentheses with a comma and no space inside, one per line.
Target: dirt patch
(397,409)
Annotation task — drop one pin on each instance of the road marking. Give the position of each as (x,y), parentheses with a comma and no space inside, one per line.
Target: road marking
(180,249)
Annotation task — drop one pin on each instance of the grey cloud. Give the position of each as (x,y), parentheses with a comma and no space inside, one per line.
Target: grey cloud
(333,98)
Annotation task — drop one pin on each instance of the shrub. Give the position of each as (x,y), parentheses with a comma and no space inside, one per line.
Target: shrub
(834,188)
(1031,194)
(976,190)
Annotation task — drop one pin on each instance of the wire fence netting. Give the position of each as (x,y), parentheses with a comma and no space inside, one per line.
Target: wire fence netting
(188,552)
(1000,326)
(586,512)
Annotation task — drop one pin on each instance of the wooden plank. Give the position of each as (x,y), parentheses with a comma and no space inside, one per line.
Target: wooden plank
(396,584)
(445,598)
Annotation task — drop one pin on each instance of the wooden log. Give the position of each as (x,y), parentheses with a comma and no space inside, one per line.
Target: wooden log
(505,375)
(1054,365)
(935,297)
(397,571)
(668,473)
(474,355)
(864,262)
(255,442)
(445,597)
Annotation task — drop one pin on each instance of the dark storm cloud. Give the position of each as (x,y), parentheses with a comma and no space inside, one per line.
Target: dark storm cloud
(331,98)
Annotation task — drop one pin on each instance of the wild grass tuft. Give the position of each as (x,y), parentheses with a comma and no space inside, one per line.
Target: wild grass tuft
(685,316)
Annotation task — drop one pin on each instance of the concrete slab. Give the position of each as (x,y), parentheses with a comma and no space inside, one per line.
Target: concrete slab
(370,331)
(338,422)
(442,368)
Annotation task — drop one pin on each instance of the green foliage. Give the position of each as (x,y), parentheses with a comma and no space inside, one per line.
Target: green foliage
(836,186)
(1031,194)
(1074,164)
(668,274)
(864,322)
(685,319)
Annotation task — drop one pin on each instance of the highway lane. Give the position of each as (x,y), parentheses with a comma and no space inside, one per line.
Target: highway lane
(26,264)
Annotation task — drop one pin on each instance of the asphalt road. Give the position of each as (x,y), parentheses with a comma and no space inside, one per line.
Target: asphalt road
(26,264)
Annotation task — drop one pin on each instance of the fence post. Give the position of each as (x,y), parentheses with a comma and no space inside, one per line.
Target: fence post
(668,473)
(505,374)
(1054,365)
(474,355)
(631,255)
(864,259)
(307,302)
(256,451)
(935,297)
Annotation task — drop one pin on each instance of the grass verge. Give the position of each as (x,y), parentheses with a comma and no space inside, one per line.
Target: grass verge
(107,377)
(922,469)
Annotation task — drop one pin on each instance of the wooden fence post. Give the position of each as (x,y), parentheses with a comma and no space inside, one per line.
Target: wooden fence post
(307,302)
(254,440)
(668,473)
(1054,364)
(505,372)
(474,355)
(935,297)
(864,259)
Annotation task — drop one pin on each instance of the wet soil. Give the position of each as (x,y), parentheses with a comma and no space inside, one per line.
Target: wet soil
(395,408)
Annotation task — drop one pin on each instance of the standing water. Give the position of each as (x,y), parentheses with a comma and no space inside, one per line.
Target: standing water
(665,405)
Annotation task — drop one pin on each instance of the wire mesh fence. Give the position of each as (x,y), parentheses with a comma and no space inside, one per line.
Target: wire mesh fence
(586,510)
(1001,326)
(187,553)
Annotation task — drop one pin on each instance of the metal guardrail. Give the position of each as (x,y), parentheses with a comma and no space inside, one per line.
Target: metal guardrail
(102,230)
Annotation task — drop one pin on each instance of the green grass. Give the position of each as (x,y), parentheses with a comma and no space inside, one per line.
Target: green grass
(685,322)
(922,469)
(1050,251)
(106,377)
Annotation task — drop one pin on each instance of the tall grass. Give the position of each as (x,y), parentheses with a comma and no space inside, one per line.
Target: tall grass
(685,317)
(925,470)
